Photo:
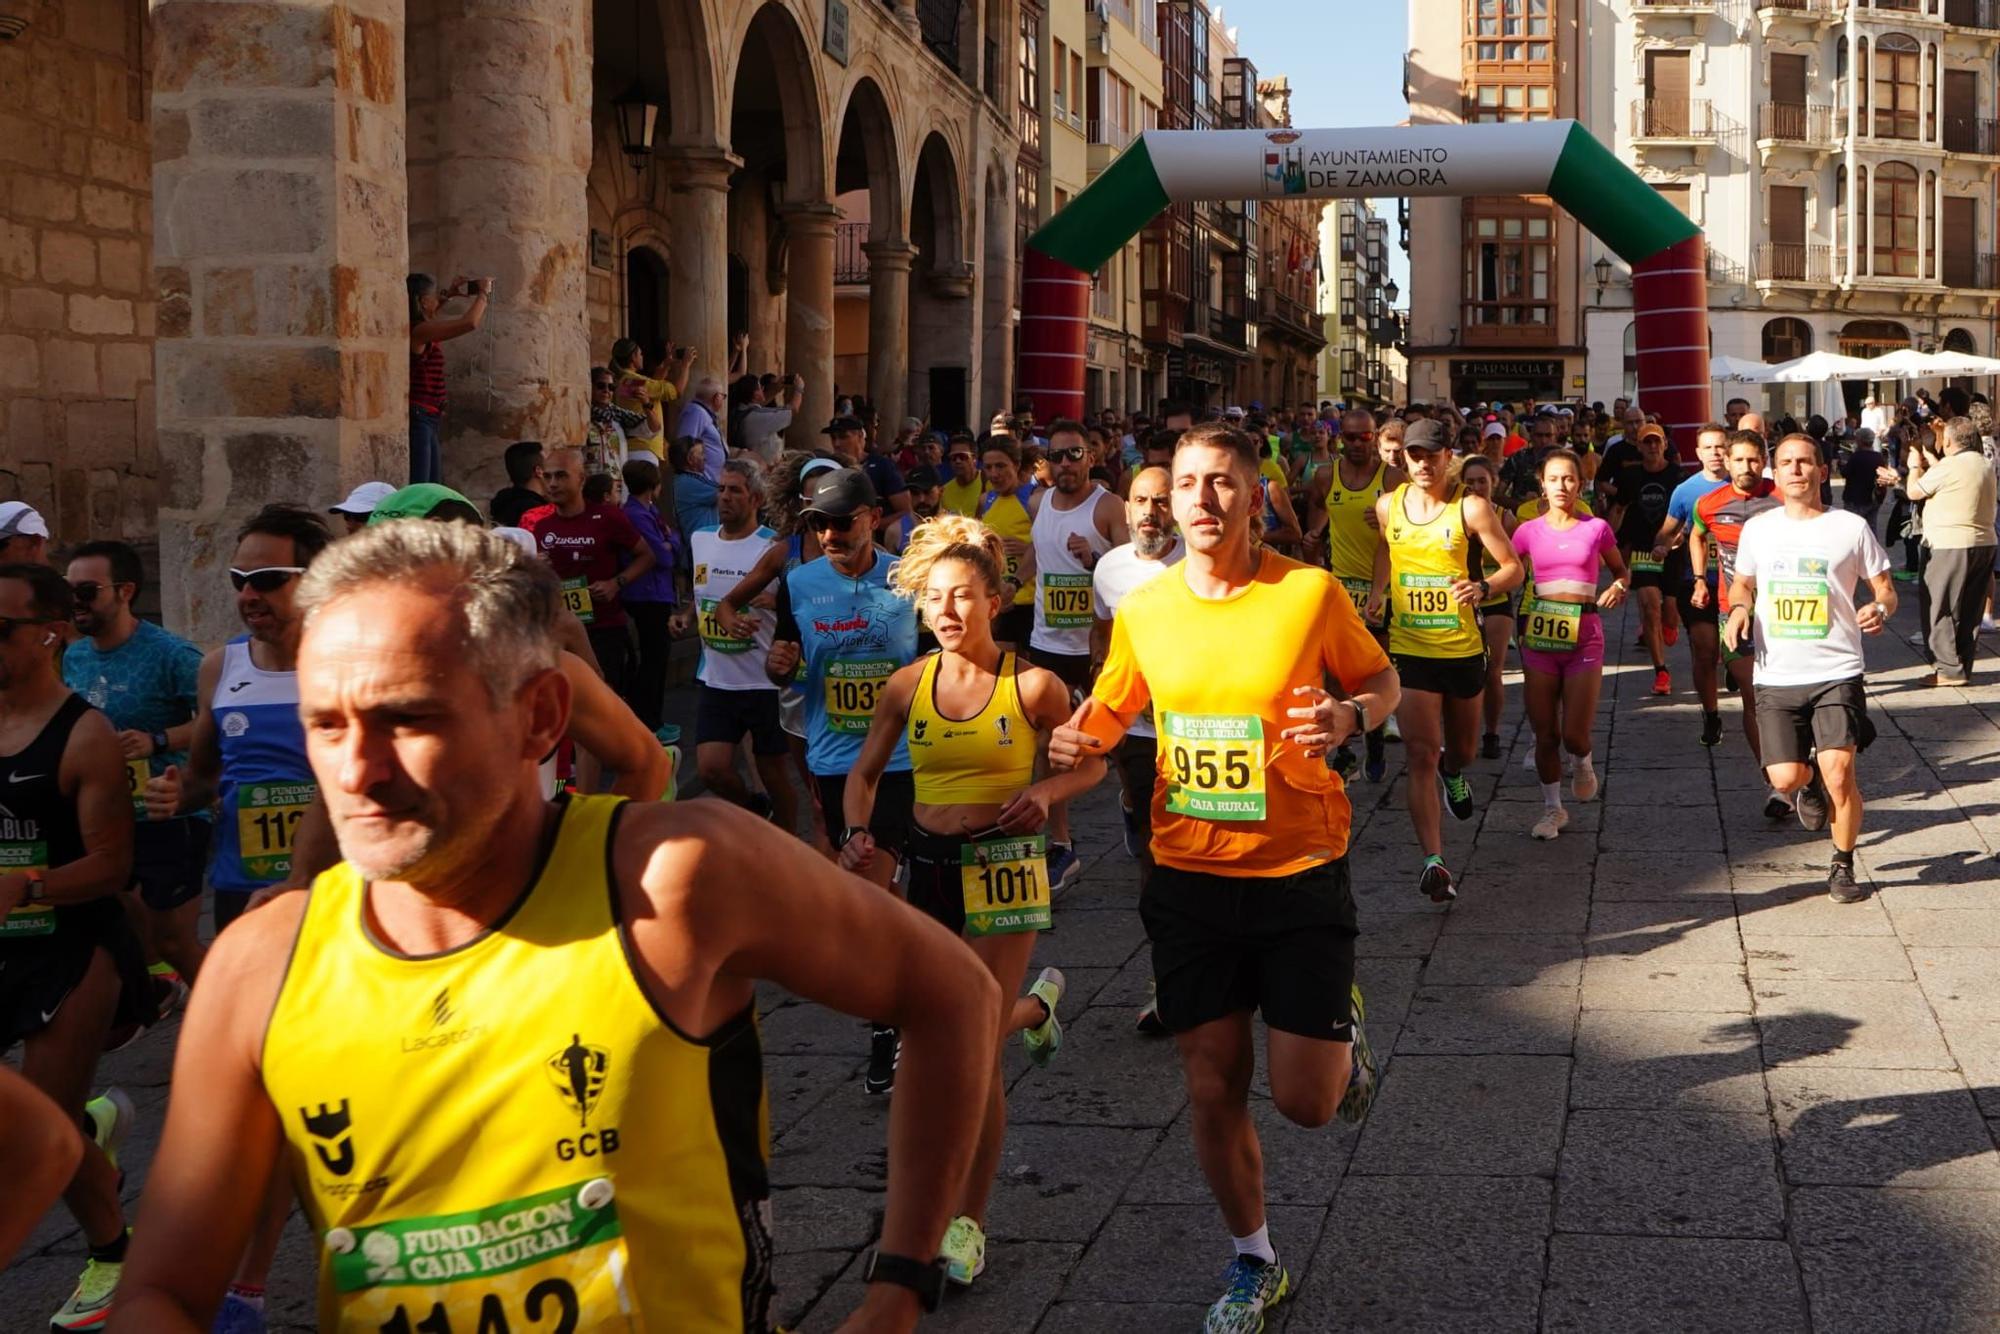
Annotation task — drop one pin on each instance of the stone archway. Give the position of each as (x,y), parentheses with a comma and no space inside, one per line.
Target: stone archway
(781,217)
(867,170)
(941,307)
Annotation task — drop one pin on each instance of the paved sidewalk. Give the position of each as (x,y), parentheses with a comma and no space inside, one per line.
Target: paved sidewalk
(1646,1077)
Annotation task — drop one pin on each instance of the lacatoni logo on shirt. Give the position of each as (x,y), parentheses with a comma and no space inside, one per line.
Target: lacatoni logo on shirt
(235,724)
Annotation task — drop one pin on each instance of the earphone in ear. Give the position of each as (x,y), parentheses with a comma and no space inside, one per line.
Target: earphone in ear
(48,639)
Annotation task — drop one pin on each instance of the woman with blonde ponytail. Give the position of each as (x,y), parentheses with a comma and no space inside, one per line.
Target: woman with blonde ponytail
(977,859)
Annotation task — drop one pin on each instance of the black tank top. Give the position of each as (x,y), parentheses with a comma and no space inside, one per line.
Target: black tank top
(38,824)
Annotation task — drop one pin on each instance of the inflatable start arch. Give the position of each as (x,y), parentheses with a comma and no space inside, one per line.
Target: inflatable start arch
(1558,158)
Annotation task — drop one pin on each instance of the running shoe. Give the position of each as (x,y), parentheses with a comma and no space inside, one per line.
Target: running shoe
(1457,795)
(1062,864)
(1254,1286)
(1905,576)
(170,990)
(1342,762)
(1811,805)
(963,1251)
(1149,1013)
(1554,820)
(1376,764)
(238,1316)
(111,1118)
(1528,760)
(1045,1039)
(1361,1079)
(89,1307)
(1777,806)
(1711,729)
(1489,746)
(1135,845)
(1435,883)
(1670,635)
(1583,781)
(885,1052)
(1841,886)
(1392,730)
(1987,625)
(1663,684)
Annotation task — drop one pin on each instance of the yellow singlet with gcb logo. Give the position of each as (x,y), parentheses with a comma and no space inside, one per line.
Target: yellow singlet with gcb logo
(1425,560)
(508,1136)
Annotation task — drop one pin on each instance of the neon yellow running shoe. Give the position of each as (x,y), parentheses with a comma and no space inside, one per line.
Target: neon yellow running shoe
(1045,1040)
(964,1251)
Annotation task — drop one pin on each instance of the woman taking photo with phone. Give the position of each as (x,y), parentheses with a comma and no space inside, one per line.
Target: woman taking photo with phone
(429,328)
(977,859)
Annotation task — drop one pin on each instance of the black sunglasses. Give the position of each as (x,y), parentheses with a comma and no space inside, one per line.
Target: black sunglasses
(7,623)
(605,385)
(268,579)
(1069,454)
(828,523)
(87,590)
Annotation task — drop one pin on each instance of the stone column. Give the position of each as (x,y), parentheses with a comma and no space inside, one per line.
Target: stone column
(809,315)
(509,110)
(889,329)
(942,335)
(279,254)
(698,265)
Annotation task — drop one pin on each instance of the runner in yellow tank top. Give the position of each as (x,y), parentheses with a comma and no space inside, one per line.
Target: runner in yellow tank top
(1423,576)
(978,857)
(1346,498)
(1004,509)
(507,1051)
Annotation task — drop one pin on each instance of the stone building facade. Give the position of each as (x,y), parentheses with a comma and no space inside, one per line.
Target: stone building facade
(208,208)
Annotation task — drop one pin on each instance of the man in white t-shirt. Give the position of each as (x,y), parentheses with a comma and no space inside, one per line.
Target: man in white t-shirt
(1796,569)
(1155,546)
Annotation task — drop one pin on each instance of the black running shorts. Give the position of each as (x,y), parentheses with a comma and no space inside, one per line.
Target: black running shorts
(168,857)
(1832,715)
(38,973)
(1282,945)
(1454,678)
(725,715)
(891,822)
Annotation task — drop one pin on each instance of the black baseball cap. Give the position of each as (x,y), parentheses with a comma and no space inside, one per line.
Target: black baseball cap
(842,493)
(841,426)
(923,477)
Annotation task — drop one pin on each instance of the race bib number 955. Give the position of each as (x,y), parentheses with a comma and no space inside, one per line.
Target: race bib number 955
(1215,765)
(551,1263)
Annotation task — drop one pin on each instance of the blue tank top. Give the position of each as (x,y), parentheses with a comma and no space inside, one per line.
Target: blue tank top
(266,782)
(853,635)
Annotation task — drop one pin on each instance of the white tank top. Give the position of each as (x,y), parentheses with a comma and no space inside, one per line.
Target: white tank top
(1064,607)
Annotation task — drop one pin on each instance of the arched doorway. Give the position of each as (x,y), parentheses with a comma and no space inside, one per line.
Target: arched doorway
(1786,339)
(940,292)
(1962,341)
(646,301)
(1869,338)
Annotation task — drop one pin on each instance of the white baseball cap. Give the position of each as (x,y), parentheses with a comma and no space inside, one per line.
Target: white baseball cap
(1232,411)
(363,499)
(1492,429)
(520,537)
(20,519)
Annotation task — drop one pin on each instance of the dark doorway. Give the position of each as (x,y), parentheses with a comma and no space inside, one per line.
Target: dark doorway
(646,301)
(948,398)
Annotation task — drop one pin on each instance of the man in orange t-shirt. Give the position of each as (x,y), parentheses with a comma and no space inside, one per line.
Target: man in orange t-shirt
(1249,906)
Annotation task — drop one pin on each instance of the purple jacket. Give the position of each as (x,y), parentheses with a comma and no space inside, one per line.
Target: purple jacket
(657,584)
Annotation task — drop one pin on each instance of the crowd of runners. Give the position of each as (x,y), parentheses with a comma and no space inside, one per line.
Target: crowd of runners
(504,1052)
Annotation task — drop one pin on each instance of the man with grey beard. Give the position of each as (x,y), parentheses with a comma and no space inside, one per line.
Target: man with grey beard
(1155,546)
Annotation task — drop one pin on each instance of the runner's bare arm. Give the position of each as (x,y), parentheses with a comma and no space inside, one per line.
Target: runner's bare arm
(1484,521)
(892,714)
(223,1138)
(1742,608)
(1287,530)
(1875,615)
(1380,594)
(1110,518)
(184,789)
(1045,699)
(1698,561)
(605,726)
(700,941)
(769,566)
(571,637)
(38,1155)
(92,776)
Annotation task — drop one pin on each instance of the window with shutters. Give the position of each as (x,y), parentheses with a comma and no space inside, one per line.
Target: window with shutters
(1509,264)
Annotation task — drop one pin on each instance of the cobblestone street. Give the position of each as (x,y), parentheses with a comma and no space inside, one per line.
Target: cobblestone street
(1646,1077)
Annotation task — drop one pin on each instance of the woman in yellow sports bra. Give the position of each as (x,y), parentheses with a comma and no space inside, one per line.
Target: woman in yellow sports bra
(977,860)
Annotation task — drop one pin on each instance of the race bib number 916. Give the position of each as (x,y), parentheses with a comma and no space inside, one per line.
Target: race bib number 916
(551,1263)
(1552,627)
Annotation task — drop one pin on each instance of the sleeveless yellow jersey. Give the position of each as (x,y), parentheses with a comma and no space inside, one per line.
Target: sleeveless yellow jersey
(508,1135)
(1425,559)
(1007,514)
(1350,542)
(988,757)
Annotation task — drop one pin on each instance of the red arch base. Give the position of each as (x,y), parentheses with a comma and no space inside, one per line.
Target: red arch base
(1670,315)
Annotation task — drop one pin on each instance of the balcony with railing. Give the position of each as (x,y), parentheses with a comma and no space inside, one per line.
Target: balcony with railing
(1109,134)
(1981,14)
(1685,120)
(1809,124)
(1816,11)
(937,21)
(1794,262)
(1668,17)
(1972,136)
(1724,271)
(850,261)
(1971,270)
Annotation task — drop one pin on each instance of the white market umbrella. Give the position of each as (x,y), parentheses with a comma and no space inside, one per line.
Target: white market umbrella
(1818,367)
(1907,363)
(1736,369)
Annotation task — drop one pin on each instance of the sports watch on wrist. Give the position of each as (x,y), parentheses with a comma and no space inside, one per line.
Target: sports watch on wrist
(160,746)
(847,834)
(1360,715)
(923,1277)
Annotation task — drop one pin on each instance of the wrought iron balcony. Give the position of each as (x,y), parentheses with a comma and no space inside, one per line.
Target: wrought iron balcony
(1787,262)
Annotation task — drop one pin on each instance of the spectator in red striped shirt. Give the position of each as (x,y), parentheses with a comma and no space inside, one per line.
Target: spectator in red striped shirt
(428,329)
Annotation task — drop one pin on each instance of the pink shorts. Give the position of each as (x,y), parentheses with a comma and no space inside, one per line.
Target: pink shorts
(1587,656)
